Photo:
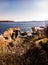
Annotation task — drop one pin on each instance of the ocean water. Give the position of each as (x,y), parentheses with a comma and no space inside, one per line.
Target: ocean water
(25,26)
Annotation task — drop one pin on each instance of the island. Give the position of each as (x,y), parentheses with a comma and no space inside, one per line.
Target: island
(6,21)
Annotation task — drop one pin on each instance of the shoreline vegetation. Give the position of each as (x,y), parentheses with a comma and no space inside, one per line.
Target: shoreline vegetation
(27,48)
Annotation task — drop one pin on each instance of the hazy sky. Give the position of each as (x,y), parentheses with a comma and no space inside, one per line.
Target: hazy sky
(23,10)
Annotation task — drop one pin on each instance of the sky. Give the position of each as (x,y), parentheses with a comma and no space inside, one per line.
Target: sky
(24,10)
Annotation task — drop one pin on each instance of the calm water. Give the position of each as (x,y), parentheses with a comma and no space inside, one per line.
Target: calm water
(25,26)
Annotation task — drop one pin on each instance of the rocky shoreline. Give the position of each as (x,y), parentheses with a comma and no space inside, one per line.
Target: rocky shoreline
(22,50)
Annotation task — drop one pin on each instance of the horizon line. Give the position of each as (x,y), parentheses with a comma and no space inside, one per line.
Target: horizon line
(21,20)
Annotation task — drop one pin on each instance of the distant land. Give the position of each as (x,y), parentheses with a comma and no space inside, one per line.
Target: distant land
(6,21)
(21,21)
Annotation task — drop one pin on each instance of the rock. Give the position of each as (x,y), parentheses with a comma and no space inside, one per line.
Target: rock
(17,51)
(24,34)
(7,37)
(9,43)
(11,32)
